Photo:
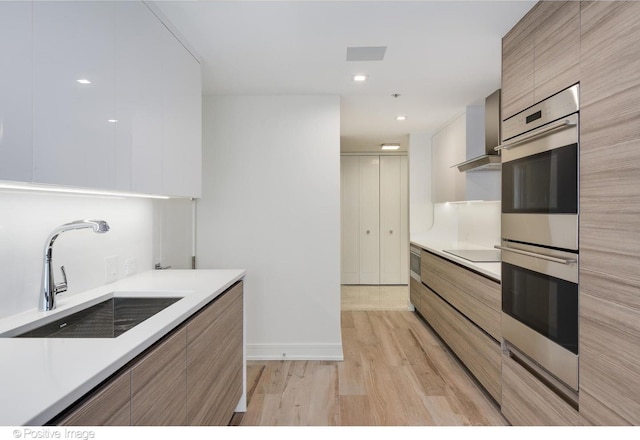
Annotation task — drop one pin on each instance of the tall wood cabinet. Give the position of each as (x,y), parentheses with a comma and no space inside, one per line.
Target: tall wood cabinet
(610,213)
(597,44)
(374,205)
(540,55)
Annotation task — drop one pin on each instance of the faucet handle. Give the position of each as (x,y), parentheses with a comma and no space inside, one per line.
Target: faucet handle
(62,287)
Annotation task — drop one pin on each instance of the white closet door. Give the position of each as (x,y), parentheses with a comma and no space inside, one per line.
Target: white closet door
(350,206)
(393,243)
(369,220)
(404,220)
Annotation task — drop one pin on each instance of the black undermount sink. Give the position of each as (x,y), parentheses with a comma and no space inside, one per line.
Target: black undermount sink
(108,319)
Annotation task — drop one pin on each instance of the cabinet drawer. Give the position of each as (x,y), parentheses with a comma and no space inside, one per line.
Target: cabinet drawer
(110,406)
(527,401)
(478,351)
(477,297)
(415,295)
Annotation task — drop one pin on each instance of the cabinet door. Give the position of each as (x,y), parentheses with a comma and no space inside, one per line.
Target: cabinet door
(181,120)
(369,233)
(609,211)
(448,149)
(138,70)
(350,227)
(16,64)
(110,406)
(557,47)
(73,140)
(393,220)
(159,384)
(518,67)
(214,361)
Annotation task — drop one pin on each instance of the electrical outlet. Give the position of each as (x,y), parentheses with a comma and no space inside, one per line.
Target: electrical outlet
(110,269)
(130,266)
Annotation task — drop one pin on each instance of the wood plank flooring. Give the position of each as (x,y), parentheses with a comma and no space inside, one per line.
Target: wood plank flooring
(366,297)
(396,372)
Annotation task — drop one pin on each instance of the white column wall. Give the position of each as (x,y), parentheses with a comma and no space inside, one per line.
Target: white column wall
(420,200)
(271,204)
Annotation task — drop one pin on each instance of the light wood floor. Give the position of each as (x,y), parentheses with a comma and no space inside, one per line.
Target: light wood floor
(361,297)
(395,372)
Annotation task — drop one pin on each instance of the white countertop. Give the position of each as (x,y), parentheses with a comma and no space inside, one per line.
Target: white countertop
(436,246)
(40,377)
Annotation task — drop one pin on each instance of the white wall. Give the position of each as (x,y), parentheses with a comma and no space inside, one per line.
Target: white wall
(27,220)
(271,205)
(420,203)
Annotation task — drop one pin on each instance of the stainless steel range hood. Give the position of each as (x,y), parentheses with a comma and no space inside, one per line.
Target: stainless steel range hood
(490,160)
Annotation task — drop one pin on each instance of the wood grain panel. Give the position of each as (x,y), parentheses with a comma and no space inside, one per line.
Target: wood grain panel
(609,212)
(517,66)
(414,293)
(479,352)
(159,384)
(609,351)
(609,49)
(214,360)
(475,296)
(557,47)
(526,401)
(110,406)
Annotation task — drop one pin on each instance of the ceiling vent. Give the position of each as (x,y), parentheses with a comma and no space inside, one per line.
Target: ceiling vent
(366,53)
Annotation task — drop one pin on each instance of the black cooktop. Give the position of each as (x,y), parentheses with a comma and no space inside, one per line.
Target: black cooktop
(477,255)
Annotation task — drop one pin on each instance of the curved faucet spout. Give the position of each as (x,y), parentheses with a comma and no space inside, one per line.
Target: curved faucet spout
(49,287)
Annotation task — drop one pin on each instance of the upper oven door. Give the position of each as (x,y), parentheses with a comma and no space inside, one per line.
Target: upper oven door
(541,176)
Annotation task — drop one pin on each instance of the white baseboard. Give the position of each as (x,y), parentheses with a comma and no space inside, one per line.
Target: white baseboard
(296,352)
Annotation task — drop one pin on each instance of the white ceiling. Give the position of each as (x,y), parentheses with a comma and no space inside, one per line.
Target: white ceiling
(440,57)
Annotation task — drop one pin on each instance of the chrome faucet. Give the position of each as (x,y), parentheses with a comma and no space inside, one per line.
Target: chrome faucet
(49,287)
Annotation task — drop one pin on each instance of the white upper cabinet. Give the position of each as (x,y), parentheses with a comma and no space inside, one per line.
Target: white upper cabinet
(16,65)
(73,140)
(98,94)
(139,90)
(448,148)
(181,120)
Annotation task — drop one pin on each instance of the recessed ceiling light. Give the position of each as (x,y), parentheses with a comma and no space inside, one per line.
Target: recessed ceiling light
(83,81)
(401,118)
(390,146)
(359,78)
(112,120)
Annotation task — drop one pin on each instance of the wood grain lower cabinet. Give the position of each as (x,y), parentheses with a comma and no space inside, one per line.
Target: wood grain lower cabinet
(476,296)
(214,361)
(527,401)
(415,293)
(159,384)
(193,376)
(111,406)
(478,351)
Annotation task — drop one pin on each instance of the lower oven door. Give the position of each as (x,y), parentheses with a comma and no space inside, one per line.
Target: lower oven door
(540,307)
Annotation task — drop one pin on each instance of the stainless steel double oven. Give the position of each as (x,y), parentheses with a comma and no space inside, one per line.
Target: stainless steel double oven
(540,238)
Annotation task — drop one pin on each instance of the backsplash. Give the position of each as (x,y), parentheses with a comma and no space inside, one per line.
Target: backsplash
(139,233)
(465,224)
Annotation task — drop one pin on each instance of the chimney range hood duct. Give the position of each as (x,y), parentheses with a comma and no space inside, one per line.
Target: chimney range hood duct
(490,160)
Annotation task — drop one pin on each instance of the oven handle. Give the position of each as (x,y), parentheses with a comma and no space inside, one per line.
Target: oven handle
(533,254)
(536,134)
